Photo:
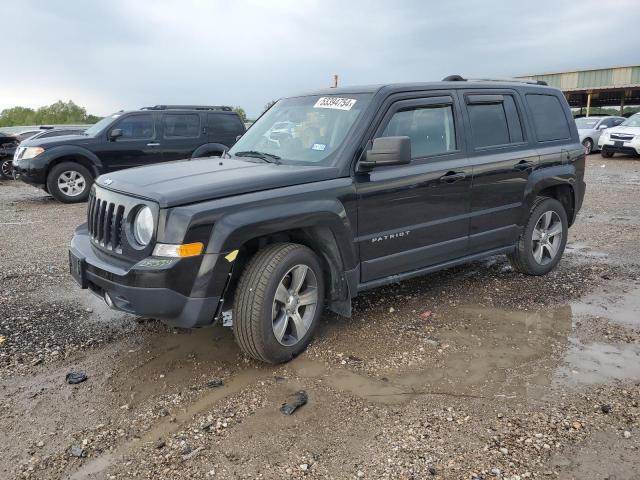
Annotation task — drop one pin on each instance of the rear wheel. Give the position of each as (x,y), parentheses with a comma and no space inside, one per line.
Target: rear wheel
(6,168)
(587,143)
(542,242)
(278,302)
(606,154)
(69,182)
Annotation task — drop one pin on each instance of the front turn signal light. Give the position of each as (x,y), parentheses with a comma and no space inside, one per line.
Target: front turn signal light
(178,251)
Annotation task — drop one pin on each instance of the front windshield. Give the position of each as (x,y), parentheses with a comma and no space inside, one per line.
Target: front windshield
(586,123)
(98,127)
(302,129)
(632,121)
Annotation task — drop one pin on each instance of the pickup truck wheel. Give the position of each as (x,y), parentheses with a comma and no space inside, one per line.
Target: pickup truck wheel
(69,182)
(542,242)
(6,168)
(278,302)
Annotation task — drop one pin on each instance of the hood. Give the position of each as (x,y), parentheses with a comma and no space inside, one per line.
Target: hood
(72,139)
(624,129)
(189,181)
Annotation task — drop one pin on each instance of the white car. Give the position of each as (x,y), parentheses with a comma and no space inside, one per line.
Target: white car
(590,129)
(625,138)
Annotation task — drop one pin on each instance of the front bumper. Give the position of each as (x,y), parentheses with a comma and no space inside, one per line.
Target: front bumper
(618,146)
(30,171)
(182,292)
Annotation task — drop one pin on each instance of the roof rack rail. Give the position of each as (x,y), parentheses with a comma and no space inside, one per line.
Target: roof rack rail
(189,107)
(458,78)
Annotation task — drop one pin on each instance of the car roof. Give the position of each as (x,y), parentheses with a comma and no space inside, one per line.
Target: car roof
(391,88)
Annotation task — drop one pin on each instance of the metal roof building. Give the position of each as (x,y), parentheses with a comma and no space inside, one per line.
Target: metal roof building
(602,87)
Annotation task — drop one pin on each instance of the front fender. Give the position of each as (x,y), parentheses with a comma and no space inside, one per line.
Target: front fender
(233,230)
(75,150)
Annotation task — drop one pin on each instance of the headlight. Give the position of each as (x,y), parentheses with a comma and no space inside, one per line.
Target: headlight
(31,152)
(143,226)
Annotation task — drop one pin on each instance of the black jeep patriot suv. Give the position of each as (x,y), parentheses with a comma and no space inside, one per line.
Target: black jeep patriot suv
(66,166)
(332,193)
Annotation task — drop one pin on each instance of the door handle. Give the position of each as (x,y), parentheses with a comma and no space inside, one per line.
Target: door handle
(452,177)
(523,165)
(153,144)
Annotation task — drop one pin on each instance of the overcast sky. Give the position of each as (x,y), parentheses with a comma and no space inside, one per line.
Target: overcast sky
(108,55)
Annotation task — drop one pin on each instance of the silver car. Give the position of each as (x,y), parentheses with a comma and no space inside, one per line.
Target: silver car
(590,128)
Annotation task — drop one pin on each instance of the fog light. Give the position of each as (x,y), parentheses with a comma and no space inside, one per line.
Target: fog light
(181,251)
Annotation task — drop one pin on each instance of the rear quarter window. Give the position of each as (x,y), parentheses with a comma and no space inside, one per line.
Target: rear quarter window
(548,117)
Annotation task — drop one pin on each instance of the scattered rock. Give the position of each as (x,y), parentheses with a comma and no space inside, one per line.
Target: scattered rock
(627,434)
(215,383)
(605,408)
(77,451)
(73,378)
(294,402)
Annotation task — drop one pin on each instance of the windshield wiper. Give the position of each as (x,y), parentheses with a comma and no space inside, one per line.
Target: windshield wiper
(267,157)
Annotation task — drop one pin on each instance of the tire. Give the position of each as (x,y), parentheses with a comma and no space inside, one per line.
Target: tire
(73,173)
(538,257)
(587,143)
(606,154)
(262,325)
(6,168)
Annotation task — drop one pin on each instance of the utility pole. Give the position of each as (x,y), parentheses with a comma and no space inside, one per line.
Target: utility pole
(335,81)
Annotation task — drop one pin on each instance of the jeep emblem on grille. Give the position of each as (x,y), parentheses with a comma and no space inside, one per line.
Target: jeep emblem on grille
(107,181)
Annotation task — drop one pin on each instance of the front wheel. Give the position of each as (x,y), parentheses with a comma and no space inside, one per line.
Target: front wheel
(278,302)
(542,242)
(587,143)
(69,182)
(6,168)
(606,154)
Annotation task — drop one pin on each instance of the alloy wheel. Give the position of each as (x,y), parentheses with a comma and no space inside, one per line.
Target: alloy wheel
(71,183)
(294,305)
(547,237)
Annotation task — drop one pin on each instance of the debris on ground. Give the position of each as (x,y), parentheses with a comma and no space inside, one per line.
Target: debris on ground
(294,402)
(215,383)
(73,378)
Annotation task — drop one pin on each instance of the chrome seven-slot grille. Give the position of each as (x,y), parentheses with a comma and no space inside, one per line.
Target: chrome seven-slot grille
(104,220)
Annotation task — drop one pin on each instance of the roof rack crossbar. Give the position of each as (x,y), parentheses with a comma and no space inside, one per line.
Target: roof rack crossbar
(224,108)
(458,78)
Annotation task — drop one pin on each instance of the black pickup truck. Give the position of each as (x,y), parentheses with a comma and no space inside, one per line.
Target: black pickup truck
(332,193)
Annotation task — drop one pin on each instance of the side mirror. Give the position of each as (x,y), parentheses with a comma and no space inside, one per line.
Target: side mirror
(387,151)
(602,127)
(115,133)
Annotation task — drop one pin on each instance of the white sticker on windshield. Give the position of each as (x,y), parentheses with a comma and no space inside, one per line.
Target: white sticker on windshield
(318,146)
(336,103)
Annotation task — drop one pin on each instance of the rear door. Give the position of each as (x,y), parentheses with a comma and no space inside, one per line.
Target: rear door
(224,128)
(138,145)
(502,157)
(182,133)
(414,216)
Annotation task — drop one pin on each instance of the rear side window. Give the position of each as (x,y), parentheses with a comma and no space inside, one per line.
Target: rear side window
(137,127)
(222,124)
(494,123)
(431,129)
(183,125)
(548,117)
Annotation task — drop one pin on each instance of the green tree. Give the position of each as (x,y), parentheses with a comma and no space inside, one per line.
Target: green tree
(240,111)
(269,105)
(56,114)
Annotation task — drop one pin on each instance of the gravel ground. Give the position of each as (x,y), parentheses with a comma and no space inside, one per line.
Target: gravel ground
(474,372)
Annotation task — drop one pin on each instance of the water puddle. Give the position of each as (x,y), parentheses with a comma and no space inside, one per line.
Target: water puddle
(583,250)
